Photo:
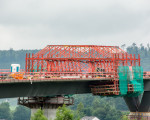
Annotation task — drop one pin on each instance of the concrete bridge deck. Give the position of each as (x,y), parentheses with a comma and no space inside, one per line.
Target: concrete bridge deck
(51,87)
(45,84)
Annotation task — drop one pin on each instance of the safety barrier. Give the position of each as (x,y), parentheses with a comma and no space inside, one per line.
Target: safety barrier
(146,75)
(22,76)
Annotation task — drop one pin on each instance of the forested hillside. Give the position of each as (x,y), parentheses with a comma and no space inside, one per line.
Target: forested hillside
(86,104)
(144,53)
(8,57)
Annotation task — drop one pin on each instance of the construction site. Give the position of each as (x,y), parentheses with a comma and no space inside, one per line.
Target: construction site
(101,70)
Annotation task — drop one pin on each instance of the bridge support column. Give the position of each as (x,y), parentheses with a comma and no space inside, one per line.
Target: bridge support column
(139,110)
(49,113)
(133,103)
(48,104)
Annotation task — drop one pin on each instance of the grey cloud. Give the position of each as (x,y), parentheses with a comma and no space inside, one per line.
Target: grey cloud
(62,21)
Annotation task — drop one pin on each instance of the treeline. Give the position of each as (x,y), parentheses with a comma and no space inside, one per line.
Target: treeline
(105,112)
(8,57)
(98,107)
(102,111)
(144,52)
(94,106)
(20,113)
(104,108)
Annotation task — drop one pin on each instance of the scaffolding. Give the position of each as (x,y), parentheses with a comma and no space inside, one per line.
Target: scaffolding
(99,61)
(45,102)
(131,80)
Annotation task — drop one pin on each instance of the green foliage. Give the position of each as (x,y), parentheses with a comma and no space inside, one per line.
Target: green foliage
(106,112)
(79,112)
(63,113)
(80,109)
(22,113)
(101,107)
(88,100)
(144,54)
(38,115)
(12,102)
(8,57)
(124,117)
(5,112)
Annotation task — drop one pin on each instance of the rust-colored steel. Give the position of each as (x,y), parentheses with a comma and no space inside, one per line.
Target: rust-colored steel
(82,58)
(78,58)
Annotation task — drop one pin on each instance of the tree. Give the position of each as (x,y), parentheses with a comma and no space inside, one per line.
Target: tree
(107,112)
(124,117)
(123,46)
(21,113)
(79,113)
(64,113)
(39,115)
(80,109)
(134,44)
(5,112)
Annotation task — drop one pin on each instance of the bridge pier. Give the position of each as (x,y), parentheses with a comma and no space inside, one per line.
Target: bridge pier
(49,113)
(139,109)
(48,104)
(133,103)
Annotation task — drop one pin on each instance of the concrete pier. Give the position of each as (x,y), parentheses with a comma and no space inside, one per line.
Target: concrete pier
(133,103)
(49,105)
(49,113)
(139,108)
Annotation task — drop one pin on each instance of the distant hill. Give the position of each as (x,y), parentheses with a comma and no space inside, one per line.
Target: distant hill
(144,54)
(8,57)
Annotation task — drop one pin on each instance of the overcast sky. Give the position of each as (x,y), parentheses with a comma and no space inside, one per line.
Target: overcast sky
(33,24)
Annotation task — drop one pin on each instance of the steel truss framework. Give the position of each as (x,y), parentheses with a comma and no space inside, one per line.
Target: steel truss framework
(73,59)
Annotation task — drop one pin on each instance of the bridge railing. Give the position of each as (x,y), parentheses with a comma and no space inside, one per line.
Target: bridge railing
(9,76)
(146,74)
(9,70)
(6,75)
